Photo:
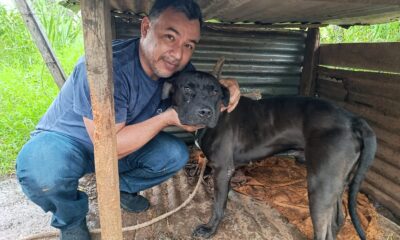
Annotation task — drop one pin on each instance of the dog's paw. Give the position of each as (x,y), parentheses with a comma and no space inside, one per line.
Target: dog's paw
(203,231)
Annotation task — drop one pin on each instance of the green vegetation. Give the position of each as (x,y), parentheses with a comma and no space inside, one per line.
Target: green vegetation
(389,32)
(27,88)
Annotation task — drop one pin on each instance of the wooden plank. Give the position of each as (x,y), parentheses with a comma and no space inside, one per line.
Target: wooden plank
(310,63)
(41,41)
(385,122)
(378,84)
(385,185)
(371,56)
(391,173)
(332,90)
(384,199)
(388,153)
(385,78)
(389,137)
(387,126)
(331,95)
(98,51)
(385,106)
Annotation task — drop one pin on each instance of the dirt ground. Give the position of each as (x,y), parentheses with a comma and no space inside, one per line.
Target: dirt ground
(246,217)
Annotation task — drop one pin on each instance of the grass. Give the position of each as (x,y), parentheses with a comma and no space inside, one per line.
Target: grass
(27,88)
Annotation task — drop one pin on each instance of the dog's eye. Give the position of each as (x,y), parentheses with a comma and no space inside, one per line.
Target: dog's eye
(187,90)
(214,92)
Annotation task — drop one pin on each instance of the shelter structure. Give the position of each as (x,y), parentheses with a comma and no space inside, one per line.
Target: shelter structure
(272,47)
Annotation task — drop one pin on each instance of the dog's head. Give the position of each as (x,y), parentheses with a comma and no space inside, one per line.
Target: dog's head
(197,97)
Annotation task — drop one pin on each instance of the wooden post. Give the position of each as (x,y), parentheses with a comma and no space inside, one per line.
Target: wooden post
(310,63)
(98,52)
(41,41)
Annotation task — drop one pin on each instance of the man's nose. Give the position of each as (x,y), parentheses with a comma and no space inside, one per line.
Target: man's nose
(177,52)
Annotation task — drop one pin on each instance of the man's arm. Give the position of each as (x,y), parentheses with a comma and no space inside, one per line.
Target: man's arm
(234,93)
(132,137)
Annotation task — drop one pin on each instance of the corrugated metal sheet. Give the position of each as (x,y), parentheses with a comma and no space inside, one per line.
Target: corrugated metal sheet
(269,61)
(341,12)
(372,95)
(266,62)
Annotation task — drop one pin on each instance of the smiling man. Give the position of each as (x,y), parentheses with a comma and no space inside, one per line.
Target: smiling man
(60,150)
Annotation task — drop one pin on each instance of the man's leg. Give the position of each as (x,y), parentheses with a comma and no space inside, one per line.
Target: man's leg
(152,164)
(48,169)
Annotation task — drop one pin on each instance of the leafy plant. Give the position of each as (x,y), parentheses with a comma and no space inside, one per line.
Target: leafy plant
(26,87)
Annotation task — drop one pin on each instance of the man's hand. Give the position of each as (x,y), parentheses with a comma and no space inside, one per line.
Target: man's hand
(174,120)
(234,92)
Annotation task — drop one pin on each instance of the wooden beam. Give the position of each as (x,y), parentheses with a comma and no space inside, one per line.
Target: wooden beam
(371,56)
(98,51)
(41,41)
(366,2)
(374,83)
(310,63)
(380,196)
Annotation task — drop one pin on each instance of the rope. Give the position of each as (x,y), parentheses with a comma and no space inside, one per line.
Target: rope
(135,227)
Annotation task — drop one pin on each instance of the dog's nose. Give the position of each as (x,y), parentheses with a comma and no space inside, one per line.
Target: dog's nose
(204,112)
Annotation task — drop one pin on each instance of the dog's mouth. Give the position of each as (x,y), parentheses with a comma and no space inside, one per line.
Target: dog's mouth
(199,117)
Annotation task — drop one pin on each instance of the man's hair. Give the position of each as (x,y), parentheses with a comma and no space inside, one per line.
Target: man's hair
(188,7)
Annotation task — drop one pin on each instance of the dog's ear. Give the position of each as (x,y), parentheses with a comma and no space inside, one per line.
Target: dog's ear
(225,95)
(167,90)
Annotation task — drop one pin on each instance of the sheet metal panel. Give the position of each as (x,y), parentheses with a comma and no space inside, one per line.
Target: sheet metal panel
(268,61)
(340,12)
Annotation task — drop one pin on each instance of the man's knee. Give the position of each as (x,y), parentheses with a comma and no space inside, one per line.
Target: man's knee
(38,181)
(46,170)
(179,155)
(173,155)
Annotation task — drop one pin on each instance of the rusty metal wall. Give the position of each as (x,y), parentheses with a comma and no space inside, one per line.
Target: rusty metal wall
(375,97)
(268,61)
(263,61)
(293,12)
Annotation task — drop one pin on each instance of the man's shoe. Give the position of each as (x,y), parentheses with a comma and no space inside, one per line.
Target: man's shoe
(132,202)
(79,232)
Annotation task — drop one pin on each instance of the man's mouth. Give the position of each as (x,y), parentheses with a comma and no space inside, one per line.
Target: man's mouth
(171,66)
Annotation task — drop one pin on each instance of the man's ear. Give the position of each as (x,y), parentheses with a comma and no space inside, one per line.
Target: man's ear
(167,90)
(225,95)
(144,27)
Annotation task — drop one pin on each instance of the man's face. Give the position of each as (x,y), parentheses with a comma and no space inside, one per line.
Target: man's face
(167,43)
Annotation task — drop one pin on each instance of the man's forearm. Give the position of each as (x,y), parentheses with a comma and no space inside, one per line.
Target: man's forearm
(132,137)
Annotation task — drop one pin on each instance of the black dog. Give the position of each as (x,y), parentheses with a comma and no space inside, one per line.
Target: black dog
(338,146)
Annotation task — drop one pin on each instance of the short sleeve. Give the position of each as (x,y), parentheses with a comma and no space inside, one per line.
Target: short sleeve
(81,92)
(82,103)
(121,96)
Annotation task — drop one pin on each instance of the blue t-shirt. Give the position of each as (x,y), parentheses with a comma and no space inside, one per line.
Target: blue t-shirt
(137,97)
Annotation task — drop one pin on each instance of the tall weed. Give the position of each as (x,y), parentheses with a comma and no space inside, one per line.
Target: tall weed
(26,86)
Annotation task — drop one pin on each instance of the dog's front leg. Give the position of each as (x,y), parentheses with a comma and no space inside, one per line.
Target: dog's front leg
(222,177)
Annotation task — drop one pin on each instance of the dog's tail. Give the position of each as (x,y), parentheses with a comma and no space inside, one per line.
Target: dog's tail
(367,155)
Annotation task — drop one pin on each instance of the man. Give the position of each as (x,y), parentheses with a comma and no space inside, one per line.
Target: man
(60,150)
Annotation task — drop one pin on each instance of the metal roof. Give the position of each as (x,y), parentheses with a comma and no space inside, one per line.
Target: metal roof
(339,12)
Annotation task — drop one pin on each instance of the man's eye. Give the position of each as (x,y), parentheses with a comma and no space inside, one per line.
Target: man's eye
(189,46)
(170,37)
